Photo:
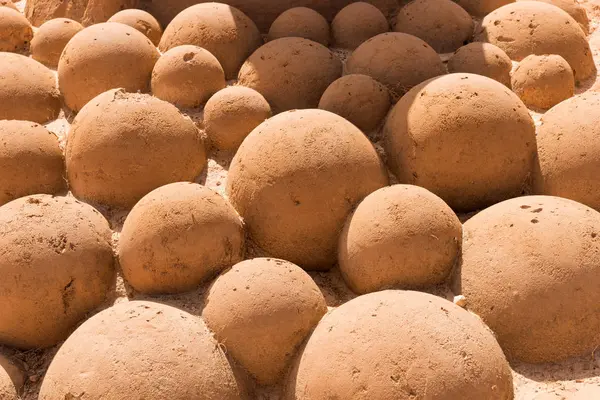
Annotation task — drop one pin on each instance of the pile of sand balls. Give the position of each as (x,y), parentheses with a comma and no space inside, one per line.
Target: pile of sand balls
(356,23)
(301,22)
(51,38)
(482,59)
(140,20)
(15,30)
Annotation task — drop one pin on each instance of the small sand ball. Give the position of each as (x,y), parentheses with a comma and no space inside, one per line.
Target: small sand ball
(262,310)
(123,145)
(9,4)
(291,73)
(187,76)
(296,178)
(356,23)
(15,372)
(56,264)
(358,98)
(140,20)
(15,31)
(482,59)
(223,30)
(533,27)
(398,60)
(7,387)
(141,350)
(28,91)
(465,137)
(574,9)
(102,57)
(480,8)
(51,38)
(232,113)
(400,345)
(301,22)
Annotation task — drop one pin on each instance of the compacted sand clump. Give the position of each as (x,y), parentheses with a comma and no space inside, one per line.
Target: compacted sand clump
(482,59)
(301,22)
(7,387)
(140,20)
(356,23)
(51,38)
(15,31)
(88,12)
(574,9)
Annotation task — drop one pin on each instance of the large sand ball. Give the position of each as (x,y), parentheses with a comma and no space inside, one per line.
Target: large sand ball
(482,59)
(123,145)
(15,30)
(261,310)
(28,91)
(232,113)
(8,391)
(56,264)
(531,271)
(187,76)
(301,22)
(574,9)
(88,12)
(356,23)
(481,8)
(141,350)
(400,345)
(103,57)
(51,38)
(465,137)
(296,178)
(533,27)
(291,72)
(398,60)
(140,20)
(223,30)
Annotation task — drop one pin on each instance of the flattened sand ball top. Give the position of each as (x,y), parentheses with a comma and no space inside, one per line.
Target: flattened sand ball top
(15,30)
(356,23)
(531,271)
(51,38)
(465,137)
(7,388)
(296,178)
(140,20)
(482,59)
(574,9)
(301,22)
(400,345)
(480,8)
(141,350)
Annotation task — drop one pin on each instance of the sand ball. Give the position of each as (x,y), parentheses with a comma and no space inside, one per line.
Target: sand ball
(223,30)
(123,145)
(141,350)
(398,60)
(400,345)
(574,9)
(358,98)
(9,4)
(356,23)
(187,76)
(102,57)
(140,20)
(51,38)
(301,22)
(28,91)
(465,137)
(480,8)
(232,113)
(14,371)
(15,31)
(291,72)
(8,391)
(56,264)
(261,310)
(482,59)
(296,178)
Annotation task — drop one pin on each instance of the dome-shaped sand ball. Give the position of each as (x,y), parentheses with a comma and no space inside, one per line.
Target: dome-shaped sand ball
(398,60)
(356,23)
(28,91)
(531,271)
(9,4)
(574,9)
(223,30)
(400,345)
(187,76)
(15,30)
(140,20)
(103,57)
(178,236)
(123,145)
(141,350)
(296,178)
(51,38)
(8,391)
(482,59)
(480,8)
(291,73)
(232,113)
(262,309)
(301,22)
(56,264)
(533,27)
(358,98)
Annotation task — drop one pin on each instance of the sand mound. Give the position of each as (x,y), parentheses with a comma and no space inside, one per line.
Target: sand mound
(301,22)
(356,23)
(51,38)
(482,59)
(140,20)
(15,31)
(88,12)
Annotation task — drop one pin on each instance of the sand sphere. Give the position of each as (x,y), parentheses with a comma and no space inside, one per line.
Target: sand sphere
(103,57)
(15,372)
(356,23)
(141,350)
(7,387)
(295,179)
(123,145)
(400,345)
(57,265)
(574,9)
(140,20)
(531,271)
(301,22)
(482,59)
(15,30)
(51,38)
(480,8)
(465,137)
(262,310)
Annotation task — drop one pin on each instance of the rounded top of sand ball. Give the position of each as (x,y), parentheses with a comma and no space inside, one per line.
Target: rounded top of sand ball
(301,22)
(574,9)
(15,30)
(356,23)
(140,20)
(51,38)
(482,59)
(480,8)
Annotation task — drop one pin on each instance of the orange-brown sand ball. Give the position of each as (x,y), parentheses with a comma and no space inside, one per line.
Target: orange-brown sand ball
(56,264)
(178,236)
(141,350)
(465,137)
(103,57)
(123,145)
(15,30)
(296,178)
(140,20)
(9,4)
(231,114)
(400,345)
(482,59)
(87,12)
(356,23)
(223,30)
(301,22)
(480,8)
(51,38)
(574,9)
(262,310)
(8,391)
(187,76)
(291,73)
(531,271)
(358,98)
